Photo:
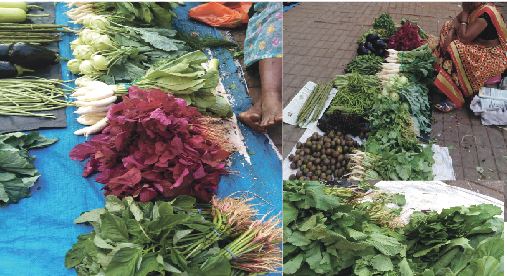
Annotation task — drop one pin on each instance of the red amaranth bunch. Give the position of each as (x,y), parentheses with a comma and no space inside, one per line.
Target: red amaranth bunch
(406,38)
(154,146)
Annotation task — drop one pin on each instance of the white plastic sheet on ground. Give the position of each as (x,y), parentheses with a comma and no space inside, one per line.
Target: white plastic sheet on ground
(442,168)
(491,105)
(434,195)
(291,111)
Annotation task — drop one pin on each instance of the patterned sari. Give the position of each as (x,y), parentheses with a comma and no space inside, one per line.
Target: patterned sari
(264,37)
(464,68)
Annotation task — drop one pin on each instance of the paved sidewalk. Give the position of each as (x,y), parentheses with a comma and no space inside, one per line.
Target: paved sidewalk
(320,39)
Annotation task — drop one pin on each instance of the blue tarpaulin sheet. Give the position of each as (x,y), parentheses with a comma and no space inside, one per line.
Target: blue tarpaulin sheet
(37,232)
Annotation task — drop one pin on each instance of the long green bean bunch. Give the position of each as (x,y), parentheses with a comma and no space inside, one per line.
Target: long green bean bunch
(31,33)
(31,97)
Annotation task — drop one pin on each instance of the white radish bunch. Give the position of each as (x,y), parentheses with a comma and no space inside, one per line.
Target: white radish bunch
(93,99)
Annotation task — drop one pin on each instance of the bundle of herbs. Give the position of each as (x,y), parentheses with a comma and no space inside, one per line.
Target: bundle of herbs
(176,237)
(383,26)
(328,231)
(417,64)
(365,65)
(393,146)
(356,94)
(17,171)
(336,230)
(155,146)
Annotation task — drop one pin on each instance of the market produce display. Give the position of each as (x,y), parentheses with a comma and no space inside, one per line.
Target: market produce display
(331,230)
(17,171)
(116,46)
(176,237)
(154,145)
(322,157)
(163,131)
(383,101)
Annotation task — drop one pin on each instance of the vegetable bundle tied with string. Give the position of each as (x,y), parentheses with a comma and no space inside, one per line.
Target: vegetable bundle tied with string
(177,237)
(31,97)
(31,33)
(313,106)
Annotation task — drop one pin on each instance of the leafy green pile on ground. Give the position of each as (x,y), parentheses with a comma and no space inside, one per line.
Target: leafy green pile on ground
(175,238)
(329,231)
(17,171)
(324,233)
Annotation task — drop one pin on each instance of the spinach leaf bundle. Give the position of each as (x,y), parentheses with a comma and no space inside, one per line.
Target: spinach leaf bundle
(17,171)
(333,231)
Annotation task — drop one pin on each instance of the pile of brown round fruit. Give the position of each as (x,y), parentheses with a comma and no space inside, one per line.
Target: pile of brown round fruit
(322,157)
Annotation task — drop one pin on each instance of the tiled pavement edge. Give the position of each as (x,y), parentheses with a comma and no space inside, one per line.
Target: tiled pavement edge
(320,39)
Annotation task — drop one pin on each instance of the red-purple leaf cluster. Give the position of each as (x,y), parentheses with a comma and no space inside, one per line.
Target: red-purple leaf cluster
(153,146)
(406,38)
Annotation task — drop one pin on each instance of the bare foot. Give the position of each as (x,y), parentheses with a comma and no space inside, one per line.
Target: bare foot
(252,118)
(271,109)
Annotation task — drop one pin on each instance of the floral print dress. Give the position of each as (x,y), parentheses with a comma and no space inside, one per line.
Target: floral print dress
(264,33)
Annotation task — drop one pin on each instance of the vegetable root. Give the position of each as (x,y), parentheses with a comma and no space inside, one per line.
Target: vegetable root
(102,102)
(97,127)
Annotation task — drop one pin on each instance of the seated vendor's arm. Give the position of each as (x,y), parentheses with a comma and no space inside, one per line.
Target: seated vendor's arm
(467,33)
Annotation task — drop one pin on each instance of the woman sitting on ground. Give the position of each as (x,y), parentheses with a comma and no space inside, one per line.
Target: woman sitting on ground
(471,52)
(263,49)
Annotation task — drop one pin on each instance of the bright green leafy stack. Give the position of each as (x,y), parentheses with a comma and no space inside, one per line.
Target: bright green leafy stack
(325,234)
(131,238)
(192,77)
(17,171)
(327,231)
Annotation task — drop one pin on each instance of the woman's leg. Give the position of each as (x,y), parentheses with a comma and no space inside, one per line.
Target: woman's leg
(252,117)
(270,71)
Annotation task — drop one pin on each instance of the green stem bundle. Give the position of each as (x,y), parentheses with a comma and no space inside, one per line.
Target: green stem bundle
(314,105)
(31,33)
(30,97)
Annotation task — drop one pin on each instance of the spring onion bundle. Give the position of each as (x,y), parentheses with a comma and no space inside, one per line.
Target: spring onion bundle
(31,97)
